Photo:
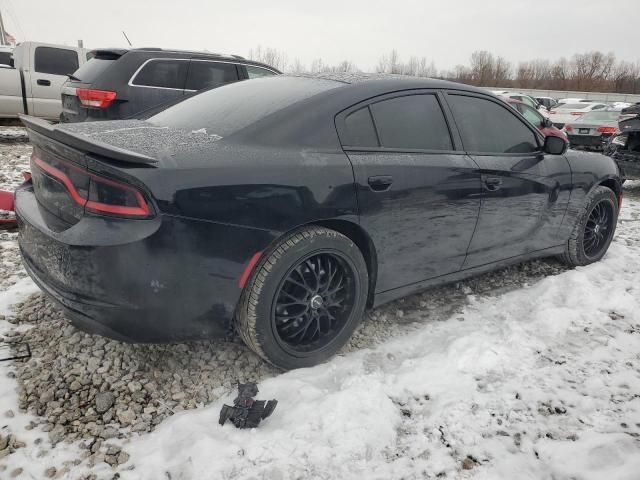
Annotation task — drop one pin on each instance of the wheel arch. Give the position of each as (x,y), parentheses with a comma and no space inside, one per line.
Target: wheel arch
(612,184)
(359,236)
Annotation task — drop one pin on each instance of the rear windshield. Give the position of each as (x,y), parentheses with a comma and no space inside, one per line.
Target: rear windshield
(91,70)
(600,116)
(227,109)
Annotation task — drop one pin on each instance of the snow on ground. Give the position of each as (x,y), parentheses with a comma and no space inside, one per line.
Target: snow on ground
(523,378)
(540,382)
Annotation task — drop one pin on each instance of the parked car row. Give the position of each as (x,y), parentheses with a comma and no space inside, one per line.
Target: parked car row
(120,83)
(72,84)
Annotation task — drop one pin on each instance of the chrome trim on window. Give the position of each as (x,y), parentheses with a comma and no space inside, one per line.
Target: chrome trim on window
(131,84)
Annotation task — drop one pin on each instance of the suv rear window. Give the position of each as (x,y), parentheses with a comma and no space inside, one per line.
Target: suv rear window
(91,70)
(258,72)
(162,73)
(55,61)
(223,111)
(205,74)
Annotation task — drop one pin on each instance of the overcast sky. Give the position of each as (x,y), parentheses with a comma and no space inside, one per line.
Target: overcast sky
(356,30)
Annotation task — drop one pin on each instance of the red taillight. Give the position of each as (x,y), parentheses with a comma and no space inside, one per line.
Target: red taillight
(577,114)
(552,112)
(103,195)
(568,128)
(95,98)
(607,129)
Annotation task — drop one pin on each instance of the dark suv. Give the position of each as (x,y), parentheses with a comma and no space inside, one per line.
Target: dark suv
(118,83)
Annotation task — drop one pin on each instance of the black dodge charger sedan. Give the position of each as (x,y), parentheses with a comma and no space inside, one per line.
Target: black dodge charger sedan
(282,207)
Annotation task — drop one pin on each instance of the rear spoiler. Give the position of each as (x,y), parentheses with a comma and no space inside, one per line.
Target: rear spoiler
(83,142)
(107,53)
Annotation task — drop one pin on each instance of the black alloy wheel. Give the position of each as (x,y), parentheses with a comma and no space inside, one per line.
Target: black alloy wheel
(598,229)
(594,228)
(314,302)
(304,298)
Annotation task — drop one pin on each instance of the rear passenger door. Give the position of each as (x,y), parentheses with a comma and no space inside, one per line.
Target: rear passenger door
(209,74)
(524,191)
(418,193)
(49,71)
(157,81)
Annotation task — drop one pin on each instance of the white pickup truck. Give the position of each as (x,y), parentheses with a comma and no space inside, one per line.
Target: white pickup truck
(32,83)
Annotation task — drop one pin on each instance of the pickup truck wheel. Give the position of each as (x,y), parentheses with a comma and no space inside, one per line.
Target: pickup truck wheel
(594,229)
(304,299)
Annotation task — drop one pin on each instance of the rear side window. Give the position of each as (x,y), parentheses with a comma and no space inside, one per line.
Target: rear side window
(204,74)
(258,72)
(55,61)
(412,122)
(163,74)
(359,130)
(91,70)
(487,127)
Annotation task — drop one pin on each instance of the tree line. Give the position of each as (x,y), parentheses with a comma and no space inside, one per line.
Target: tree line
(588,72)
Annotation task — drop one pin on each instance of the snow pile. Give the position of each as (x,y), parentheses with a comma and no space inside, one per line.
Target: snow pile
(541,382)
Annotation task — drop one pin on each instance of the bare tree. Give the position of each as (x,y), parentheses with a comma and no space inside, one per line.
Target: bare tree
(270,56)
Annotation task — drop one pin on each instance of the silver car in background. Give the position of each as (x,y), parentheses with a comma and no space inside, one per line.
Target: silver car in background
(593,129)
(569,112)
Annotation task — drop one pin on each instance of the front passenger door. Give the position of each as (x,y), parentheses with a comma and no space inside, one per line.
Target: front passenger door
(525,192)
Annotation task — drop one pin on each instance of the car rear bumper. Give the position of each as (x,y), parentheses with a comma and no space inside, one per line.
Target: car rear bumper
(159,280)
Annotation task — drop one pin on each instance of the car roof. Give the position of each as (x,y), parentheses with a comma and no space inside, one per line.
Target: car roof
(389,81)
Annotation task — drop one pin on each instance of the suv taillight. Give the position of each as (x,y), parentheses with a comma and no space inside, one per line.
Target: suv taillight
(93,192)
(95,98)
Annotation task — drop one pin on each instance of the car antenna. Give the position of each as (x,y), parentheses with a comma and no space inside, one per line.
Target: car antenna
(125,36)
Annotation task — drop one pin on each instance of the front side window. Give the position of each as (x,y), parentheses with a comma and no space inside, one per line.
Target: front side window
(487,127)
(55,61)
(205,74)
(162,73)
(258,72)
(531,115)
(412,122)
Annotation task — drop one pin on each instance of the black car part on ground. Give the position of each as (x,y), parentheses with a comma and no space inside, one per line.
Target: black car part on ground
(285,206)
(624,147)
(247,412)
(120,83)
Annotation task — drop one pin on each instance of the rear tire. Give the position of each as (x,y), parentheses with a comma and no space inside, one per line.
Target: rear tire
(593,232)
(304,299)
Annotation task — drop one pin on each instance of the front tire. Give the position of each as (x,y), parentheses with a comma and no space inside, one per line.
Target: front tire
(304,299)
(594,229)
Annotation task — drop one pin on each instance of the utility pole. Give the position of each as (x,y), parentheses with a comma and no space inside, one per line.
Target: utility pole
(80,44)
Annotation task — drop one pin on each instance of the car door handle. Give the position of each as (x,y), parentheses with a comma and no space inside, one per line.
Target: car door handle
(44,83)
(492,184)
(380,183)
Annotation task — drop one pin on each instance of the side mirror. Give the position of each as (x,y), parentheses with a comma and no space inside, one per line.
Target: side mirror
(555,145)
(547,123)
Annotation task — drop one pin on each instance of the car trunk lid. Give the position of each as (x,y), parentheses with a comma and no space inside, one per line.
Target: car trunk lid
(67,187)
